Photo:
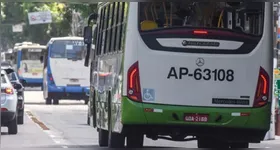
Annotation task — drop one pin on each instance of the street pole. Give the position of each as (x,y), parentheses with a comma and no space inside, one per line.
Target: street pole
(0,67)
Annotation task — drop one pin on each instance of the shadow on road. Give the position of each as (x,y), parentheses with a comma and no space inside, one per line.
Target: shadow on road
(97,147)
(43,103)
(4,133)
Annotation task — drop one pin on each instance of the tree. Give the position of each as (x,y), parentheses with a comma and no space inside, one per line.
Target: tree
(17,12)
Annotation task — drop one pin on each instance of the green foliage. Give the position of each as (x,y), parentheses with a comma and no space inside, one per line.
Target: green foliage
(17,12)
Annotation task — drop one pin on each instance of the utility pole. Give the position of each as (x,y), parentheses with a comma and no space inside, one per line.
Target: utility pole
(0,67)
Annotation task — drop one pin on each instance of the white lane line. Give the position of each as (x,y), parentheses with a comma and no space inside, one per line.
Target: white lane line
(57,142)
(56,139)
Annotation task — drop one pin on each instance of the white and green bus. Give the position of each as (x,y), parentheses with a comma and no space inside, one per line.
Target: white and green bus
(181,71)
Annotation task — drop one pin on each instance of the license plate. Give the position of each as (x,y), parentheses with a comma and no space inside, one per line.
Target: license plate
(34,74)
(196,117)
(207,74)
(74,80)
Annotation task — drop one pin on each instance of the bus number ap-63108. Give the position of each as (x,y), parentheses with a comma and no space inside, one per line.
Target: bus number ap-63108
(201,74)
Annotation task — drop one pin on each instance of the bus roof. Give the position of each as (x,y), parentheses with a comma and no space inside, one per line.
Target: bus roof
(65,38)
(31,46)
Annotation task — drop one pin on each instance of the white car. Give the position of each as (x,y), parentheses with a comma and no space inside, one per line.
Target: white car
(8,104)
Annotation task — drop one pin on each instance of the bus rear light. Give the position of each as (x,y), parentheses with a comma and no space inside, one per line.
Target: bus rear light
(201,32)
(133,83)
(51,78)
(262,91)
(4,109)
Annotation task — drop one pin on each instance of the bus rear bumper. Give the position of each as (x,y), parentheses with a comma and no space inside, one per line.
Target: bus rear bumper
(29,82)
(181,132)
(223,123)
(71,93)
(68,95)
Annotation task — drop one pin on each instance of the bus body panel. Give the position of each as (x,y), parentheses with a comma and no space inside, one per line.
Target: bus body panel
(64,70)
(31,71)
(176,73)
(184,94)
(65,78)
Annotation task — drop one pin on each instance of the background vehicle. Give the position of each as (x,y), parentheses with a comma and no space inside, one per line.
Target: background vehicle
(6,64)
(178,69)
(8,55)
(65,76)
(8,104)
(14,79)
(29,66)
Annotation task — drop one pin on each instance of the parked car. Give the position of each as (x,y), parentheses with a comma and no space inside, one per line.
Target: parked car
(14,79)
(9,102)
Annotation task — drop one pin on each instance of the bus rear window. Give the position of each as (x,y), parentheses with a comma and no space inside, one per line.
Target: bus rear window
(71,49)
(246,17)
(202,27)
(31,54)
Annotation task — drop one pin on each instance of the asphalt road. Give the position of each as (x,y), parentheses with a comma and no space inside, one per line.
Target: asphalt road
(64,126)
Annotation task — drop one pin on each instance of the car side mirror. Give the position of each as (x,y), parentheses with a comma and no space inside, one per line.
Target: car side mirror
(17,86)
(88,35)
(22,81)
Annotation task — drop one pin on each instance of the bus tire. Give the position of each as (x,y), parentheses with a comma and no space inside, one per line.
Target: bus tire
(56,101)
(103,138)
(135,140)
(48,101)
(116,140)
(86,101)
(210,143)
(240,145)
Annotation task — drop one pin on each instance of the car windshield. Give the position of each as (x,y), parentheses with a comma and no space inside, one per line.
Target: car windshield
(71,49)
(12,76)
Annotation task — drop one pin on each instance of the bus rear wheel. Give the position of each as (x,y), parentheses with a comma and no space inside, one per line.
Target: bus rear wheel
(135,140)
(86,101)
(210,143)
(239,145)
(48,101)
(116,140)
(56,101)
(103,138)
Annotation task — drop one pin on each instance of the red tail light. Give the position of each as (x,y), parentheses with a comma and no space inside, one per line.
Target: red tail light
(50,77)
(4,109)
(202,32)
(133,83)
(262,91)
(7,91)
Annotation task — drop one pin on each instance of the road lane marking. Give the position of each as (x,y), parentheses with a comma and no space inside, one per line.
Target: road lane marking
(35,120)
(56,139)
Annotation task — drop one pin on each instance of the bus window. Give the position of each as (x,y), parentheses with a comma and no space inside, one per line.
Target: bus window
(68,49)
(237,16)
(28,54)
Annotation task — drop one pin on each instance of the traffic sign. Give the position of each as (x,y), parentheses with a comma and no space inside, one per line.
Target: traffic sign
(17,28)
(43,17)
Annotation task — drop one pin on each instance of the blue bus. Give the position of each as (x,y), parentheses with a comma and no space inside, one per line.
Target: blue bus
(29,64)
(64,73)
